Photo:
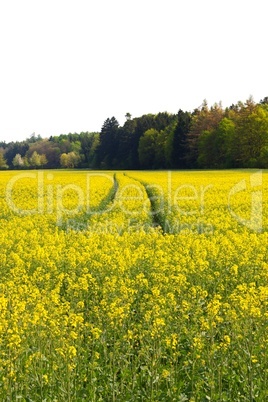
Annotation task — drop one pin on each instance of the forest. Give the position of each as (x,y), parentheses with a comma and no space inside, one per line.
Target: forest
(206,138)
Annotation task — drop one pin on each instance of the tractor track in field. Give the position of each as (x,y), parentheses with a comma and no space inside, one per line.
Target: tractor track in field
(110,197)
(82,222)
(156,216)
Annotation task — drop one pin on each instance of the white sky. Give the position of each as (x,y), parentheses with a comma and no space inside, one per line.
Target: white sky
(67,65)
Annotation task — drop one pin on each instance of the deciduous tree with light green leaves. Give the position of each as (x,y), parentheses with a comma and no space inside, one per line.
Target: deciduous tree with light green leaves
(18,161)
(251,137)
(69,160)
(37,160)
(147,148)
(3,163)
(215,146)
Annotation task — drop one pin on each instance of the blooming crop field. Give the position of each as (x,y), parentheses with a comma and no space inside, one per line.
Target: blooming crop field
(133,286)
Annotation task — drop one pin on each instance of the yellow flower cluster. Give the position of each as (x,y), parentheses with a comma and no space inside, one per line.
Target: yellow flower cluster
(133,286)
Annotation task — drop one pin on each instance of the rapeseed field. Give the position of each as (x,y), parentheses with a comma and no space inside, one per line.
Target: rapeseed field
(133,286)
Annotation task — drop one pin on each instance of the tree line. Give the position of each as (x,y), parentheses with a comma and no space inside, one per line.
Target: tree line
(207,137)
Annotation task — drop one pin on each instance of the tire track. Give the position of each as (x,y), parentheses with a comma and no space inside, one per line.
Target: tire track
(110,196)
(156,205)
(81,222)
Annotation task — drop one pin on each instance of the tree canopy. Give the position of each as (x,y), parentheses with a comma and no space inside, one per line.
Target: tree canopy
(213,137)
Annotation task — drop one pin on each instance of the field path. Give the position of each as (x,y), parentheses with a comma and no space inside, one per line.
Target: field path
(156,204)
